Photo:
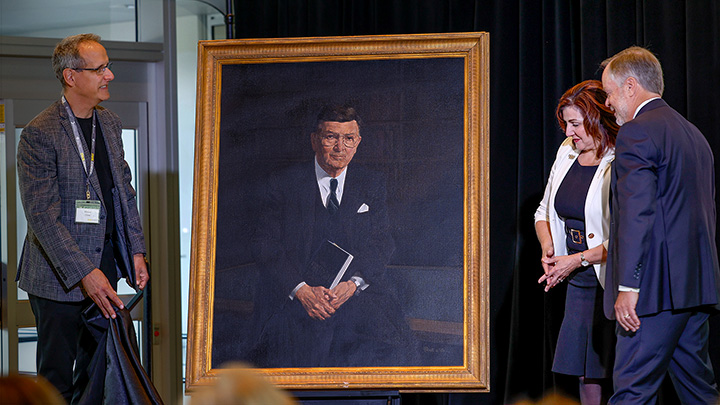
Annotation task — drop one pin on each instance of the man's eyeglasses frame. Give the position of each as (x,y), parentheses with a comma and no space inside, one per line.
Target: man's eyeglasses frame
(98,70)
(330,140)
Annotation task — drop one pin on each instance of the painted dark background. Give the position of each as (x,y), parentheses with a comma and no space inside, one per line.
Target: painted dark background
(538,49)
(412,132)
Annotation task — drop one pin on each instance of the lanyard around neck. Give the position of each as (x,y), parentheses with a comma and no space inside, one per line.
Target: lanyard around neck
(76,131)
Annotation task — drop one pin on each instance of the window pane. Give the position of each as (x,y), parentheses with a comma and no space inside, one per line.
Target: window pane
(27,344)
(112,20)
(21,222)
(129,138)
(3,192)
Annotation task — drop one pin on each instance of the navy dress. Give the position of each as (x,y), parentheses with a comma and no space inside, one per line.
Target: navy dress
(586,340)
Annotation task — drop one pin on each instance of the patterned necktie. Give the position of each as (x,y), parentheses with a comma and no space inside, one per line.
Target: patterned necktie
(332,203)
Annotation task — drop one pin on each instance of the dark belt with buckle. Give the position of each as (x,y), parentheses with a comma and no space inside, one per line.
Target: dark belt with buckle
(576,235)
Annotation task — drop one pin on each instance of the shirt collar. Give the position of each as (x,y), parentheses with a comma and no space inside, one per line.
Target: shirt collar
(643,105)
(323,178)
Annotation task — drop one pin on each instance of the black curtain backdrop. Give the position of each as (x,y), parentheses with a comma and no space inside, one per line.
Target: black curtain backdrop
(538,50)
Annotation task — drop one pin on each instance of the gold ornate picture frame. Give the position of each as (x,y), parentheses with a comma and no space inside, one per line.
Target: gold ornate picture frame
(424,100)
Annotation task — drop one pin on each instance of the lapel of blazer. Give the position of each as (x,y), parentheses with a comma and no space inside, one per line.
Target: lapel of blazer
(67,126)
(94,178)
(109,131)
(351,193)
(566,162)
(597,183)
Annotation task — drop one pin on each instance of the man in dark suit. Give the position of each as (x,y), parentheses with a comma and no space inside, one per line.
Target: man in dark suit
(84,230)
(662,277)
(358,322)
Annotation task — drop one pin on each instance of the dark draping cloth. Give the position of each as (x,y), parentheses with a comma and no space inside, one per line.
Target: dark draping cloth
(116,374)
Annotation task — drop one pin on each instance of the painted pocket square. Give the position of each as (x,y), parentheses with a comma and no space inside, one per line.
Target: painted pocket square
(363,208)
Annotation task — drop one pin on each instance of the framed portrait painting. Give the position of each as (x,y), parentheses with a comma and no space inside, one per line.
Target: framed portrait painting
(340,212)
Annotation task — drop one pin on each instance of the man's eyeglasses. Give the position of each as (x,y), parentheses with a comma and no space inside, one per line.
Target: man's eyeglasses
(330,139)
(98,70)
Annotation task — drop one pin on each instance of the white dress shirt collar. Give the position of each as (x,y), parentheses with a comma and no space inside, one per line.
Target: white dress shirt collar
(637,110)
(323,181)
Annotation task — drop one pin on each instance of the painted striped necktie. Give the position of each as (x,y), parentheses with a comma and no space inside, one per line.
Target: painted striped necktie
(332,203)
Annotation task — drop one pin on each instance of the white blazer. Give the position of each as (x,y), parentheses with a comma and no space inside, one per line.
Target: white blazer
(597,203)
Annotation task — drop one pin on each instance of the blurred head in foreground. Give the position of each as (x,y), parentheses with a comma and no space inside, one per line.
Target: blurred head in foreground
(239,385)
(27,390)
(549,399)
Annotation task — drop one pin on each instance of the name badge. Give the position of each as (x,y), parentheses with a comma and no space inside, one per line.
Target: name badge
(87,211)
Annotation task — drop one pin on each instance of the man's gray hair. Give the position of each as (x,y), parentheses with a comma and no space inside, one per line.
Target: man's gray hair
(639,63)
(67,54)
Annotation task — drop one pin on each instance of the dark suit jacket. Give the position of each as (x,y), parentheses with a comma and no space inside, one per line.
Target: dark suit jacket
(663,214)
(366,331)
(285,239)
(58,252)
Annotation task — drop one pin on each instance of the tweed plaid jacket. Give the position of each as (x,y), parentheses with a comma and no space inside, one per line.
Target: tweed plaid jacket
(58,252)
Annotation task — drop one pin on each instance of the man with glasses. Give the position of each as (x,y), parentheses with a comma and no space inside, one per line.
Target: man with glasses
(310,210)
(84,230)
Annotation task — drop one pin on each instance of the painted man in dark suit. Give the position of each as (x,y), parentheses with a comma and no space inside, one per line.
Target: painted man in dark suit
(84,230)
(662,277)
(359,322)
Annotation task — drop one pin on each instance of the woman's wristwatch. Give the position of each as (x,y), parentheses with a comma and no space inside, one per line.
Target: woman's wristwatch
(583,260)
